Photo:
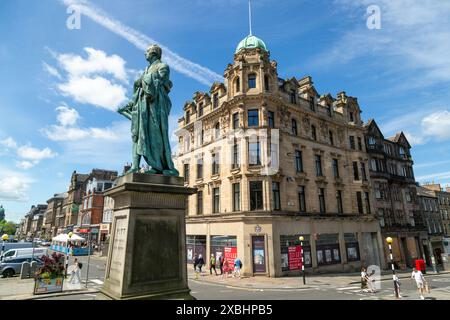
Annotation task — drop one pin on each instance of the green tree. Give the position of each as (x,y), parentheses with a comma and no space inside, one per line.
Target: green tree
(7,227)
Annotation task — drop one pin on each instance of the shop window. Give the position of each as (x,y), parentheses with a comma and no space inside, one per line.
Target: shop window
(352,247)
(327,249)
(195,245)
(287,241)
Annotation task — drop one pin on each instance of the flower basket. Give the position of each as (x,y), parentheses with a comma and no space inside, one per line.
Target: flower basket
(50,276)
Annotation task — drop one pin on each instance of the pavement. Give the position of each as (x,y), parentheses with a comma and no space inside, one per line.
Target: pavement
(312,281)
(343,286)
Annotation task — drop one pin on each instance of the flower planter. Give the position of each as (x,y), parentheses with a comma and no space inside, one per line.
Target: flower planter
(48,285)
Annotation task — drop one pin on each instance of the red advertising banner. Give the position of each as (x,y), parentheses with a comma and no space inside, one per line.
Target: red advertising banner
(231,254)
(295,257)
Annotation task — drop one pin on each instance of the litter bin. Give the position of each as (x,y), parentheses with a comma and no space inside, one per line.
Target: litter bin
(420,265)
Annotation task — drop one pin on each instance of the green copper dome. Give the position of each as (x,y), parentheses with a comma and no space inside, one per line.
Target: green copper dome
(251,42)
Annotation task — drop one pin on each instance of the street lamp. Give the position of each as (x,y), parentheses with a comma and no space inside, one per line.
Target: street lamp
(70,234)
(4,238)
(389,242)
(301,238)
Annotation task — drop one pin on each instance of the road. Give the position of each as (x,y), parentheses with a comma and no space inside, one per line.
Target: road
(440,290)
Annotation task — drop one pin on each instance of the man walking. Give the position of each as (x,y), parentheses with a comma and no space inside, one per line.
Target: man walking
(212,264)
(420,281)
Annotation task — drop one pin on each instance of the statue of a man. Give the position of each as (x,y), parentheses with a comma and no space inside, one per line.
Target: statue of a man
(149,112)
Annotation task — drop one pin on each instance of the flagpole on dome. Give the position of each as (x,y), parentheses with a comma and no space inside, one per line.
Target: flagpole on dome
(250,15)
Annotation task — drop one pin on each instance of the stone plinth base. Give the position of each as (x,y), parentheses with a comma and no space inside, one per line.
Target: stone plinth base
(147,252)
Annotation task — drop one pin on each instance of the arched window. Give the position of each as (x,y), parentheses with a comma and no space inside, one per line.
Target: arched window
(252,81)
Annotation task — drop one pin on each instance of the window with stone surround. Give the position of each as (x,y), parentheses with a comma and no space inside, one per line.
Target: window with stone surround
(294,127)
(235,120)
(253,118)
(236,197)
(200,202)
(339,201)
(318,161)
(313,133)
(276,195)
(298,161)
(256,195)
(216,200)
(302,198)
(215,100)
(322,206)
(252,81)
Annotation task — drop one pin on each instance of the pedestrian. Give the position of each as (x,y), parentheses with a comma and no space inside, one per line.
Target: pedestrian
(75,277)
(212,264)
(237,268)
(417,275)
(200,264)
(397,285)
(195,262)
(225,267)
(221,264)
(366,281)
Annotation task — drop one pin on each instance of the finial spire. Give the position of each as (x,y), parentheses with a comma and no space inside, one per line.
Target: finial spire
(250,15)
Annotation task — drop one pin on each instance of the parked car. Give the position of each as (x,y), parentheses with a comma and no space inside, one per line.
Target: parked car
(11,267)
(45,243)
(23,253)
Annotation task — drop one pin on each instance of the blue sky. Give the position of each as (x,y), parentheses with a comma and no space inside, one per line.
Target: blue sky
(59,87)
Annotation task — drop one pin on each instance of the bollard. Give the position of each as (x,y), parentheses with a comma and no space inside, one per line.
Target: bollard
(33,268)
(25,270)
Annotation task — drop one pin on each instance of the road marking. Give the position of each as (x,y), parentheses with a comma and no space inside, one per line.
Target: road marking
(97,281)
(347,288)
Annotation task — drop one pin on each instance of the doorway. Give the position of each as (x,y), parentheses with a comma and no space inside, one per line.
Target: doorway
(259,254)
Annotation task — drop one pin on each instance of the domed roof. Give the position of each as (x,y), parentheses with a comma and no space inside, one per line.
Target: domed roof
(250,42)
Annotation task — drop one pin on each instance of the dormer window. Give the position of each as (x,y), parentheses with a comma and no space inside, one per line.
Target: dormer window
(215,100)
(188,117)
(293,96)
(329,110)
(200,109)
(312,104)
(372,141)
(352,117)
(252,81)
(401,151)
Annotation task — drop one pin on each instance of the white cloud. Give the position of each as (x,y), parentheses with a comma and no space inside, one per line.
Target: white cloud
(67,116)
(141,41)
(30,153)
(438,176)
(9,143)
(414,37)
(97,91)
(51,70)
(68,129)
(24,165)
(14,186)
(437,125)
(32,156)
(97,62)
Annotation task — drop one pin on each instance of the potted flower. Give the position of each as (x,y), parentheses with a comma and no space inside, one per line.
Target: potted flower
(49,277)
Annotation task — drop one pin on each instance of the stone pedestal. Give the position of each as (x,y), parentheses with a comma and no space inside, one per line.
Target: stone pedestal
(147,250)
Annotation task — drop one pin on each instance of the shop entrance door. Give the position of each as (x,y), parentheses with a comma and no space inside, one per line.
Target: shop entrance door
(259,254)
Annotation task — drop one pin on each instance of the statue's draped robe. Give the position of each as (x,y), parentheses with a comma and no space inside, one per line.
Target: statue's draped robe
(149,111)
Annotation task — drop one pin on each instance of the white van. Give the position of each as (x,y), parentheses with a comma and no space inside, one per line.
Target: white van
(24,253)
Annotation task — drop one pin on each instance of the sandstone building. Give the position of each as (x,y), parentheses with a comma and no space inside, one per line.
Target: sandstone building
(272,160)
(396,202)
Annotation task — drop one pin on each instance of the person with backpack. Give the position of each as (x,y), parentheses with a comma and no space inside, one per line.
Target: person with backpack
(212,264)
(237,268)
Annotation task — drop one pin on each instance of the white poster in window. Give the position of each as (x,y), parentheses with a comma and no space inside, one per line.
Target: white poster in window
(307,258)
(319,257)
(328,255)
(352,253)
(284,260)
(336,254)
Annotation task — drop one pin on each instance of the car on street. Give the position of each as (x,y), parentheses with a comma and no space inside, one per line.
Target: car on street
(12,267)
(45,243)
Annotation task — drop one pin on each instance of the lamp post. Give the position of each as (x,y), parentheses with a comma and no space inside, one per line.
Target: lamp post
(301,238)
(389,242)
(70,234)
(89,256)
(4,238)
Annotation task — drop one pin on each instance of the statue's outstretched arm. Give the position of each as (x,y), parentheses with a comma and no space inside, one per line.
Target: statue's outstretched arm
(126,110)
